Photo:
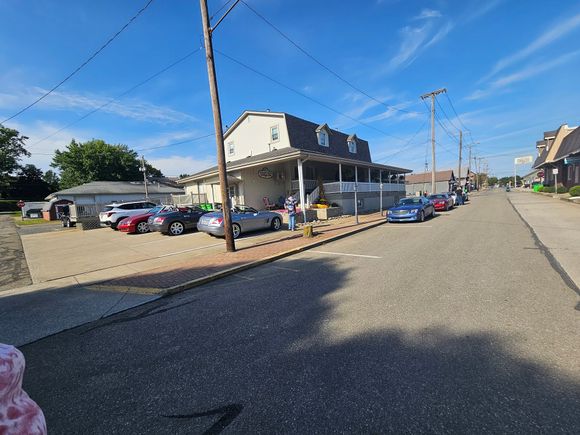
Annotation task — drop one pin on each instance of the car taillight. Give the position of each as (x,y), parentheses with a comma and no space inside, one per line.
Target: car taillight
(159,219)
(216,221)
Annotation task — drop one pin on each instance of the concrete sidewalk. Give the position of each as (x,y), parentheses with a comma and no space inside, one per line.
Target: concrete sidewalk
(556,224)
(33,312)
(13,268)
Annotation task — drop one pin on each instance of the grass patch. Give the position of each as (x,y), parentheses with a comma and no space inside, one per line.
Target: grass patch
(28,221)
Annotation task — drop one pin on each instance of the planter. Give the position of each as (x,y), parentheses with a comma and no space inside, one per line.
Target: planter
(327,213)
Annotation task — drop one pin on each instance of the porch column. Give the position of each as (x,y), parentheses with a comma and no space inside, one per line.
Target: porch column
(212,198)
(301,187)
(198,194)
(356,175)
(369,175)
(340,176)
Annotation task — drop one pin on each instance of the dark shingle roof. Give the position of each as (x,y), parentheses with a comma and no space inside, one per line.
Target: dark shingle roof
(302,135)
(117,187)
(570,145)
(540,159)
(551,133)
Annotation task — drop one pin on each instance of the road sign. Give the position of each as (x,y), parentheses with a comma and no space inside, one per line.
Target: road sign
(523,160)
(20,204)
(540,174)
(554,171)
(572,160)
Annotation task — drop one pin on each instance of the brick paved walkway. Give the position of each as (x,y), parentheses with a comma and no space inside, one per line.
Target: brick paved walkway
(199,267)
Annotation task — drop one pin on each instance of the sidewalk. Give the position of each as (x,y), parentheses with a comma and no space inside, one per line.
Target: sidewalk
(13,267)
(33,312)
(556,224)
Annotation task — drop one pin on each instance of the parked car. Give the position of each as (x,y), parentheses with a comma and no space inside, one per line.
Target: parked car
(441,201)
(176,222)
(411,209)
(138,223)
(453,196)
(115,213)
(244,220)
(507,188)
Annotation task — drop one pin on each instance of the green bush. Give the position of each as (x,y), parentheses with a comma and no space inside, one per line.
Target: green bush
(540,189)
(548,189)
(8,205)
(574,191)
(562,189)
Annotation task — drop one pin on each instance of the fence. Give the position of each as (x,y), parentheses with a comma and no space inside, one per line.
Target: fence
(190,199)
(348,186)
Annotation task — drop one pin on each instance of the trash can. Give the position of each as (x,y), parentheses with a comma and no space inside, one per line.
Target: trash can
(308,231)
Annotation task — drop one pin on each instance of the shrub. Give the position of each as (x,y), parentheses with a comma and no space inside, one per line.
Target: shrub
(562,189)
(575,191)
(8,205)
(540,189)
(548,189)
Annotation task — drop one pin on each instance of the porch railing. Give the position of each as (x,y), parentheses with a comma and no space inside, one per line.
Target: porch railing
(348,186)
(308,185)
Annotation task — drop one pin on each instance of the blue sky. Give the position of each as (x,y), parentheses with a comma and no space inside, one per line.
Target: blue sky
(510,68)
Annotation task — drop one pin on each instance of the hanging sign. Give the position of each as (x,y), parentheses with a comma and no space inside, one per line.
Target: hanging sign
(265,173)
(523,160)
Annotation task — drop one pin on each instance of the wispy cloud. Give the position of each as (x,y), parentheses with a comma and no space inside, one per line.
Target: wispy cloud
(81,102)
(175,165)
(550,36)
(427,13)
(413,42)
(527,72)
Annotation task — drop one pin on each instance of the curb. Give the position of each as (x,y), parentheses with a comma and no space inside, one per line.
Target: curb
(222,274)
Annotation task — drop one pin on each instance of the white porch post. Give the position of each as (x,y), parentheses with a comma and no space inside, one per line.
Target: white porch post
(355,194)
(212,198)
(340,176)
(381,191)
(198,194)
(301,187)
(369,179)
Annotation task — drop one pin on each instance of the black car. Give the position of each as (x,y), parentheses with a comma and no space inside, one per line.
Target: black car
(176,222)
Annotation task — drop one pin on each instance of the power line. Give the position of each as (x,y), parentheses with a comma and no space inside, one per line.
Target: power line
(305,96)
(112,100)
(446,116)
(220,9)
(82,65)
(407,145)
(457,115)
(331,71)
(175,143)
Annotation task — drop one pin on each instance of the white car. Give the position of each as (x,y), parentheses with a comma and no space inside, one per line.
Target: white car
(115,213)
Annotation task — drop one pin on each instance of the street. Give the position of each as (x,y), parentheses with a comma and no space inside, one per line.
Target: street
(456,325)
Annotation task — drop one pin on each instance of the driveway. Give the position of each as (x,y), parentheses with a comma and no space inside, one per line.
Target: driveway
(13,268)
(100,254)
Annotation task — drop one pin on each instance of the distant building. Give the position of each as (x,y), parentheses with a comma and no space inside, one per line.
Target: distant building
(416,184)
(557,152)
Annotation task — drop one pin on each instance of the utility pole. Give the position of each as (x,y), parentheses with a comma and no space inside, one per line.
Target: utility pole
(460,147)
(217,120)
(144,170)
(432,95)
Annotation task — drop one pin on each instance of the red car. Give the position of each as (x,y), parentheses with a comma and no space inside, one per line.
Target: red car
(138,223)
(441,201)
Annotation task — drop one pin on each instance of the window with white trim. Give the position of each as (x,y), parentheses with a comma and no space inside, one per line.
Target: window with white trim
(274,133)
(231,149)
(323,138)
(351,146)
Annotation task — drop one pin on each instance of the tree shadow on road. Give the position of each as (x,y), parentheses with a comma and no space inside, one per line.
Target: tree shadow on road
(276,351)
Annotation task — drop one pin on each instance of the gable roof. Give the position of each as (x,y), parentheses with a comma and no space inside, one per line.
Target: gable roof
(425,177)
(540,159)
(302,135)
(117,187)
(570,145)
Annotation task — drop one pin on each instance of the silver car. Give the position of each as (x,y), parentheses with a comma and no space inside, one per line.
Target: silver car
(244,220)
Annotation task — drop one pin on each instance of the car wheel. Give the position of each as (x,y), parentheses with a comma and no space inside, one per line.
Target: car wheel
(176,228)
(276,224)
(142,227)
(422,216)
(236,231)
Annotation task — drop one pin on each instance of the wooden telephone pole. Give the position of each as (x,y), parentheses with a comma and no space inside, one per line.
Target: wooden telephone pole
(217,120)
(460,149)
(432,96)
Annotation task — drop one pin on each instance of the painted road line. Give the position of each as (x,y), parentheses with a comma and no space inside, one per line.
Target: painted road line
(285,268)
(244,277)
(406,226)
(345,254)
(188,250)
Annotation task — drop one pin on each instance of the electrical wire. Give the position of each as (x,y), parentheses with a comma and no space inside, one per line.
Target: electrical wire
(306,96)
(331,71)
(82,65)
(446,116)
(112,100)
(220,9)
(406,146)
(176,143)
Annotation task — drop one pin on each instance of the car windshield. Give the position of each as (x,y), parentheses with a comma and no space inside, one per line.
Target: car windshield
(410,201)
(244,209)
(156,210)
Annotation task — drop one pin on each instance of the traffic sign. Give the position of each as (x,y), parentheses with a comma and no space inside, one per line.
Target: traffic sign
(20,204)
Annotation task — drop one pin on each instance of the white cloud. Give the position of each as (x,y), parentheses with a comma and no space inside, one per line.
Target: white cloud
(548,37)
(525,73)
(176,165)
(83,102)
(427,13)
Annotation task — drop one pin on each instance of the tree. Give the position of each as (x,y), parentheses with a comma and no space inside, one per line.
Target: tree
(11,151)
(29,184)
(181,176)
(97,160)
(492,181)
(52,180)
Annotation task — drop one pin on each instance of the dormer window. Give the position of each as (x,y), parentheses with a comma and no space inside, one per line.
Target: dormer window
(351,142)
(322,135)
(274,134)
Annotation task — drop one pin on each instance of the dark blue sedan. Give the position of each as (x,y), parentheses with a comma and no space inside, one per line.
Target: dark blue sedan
(414,209)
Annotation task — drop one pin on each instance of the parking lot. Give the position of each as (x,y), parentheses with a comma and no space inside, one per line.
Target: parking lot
(103,253)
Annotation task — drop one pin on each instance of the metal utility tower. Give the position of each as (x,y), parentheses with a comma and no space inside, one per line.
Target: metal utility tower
(432,95)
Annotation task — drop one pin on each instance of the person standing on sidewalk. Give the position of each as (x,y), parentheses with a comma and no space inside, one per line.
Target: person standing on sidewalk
(459,193)
(290,206)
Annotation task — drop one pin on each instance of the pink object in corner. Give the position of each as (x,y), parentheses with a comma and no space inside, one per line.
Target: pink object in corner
(19,414)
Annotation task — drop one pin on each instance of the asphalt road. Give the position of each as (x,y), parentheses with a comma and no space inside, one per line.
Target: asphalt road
(458,325)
